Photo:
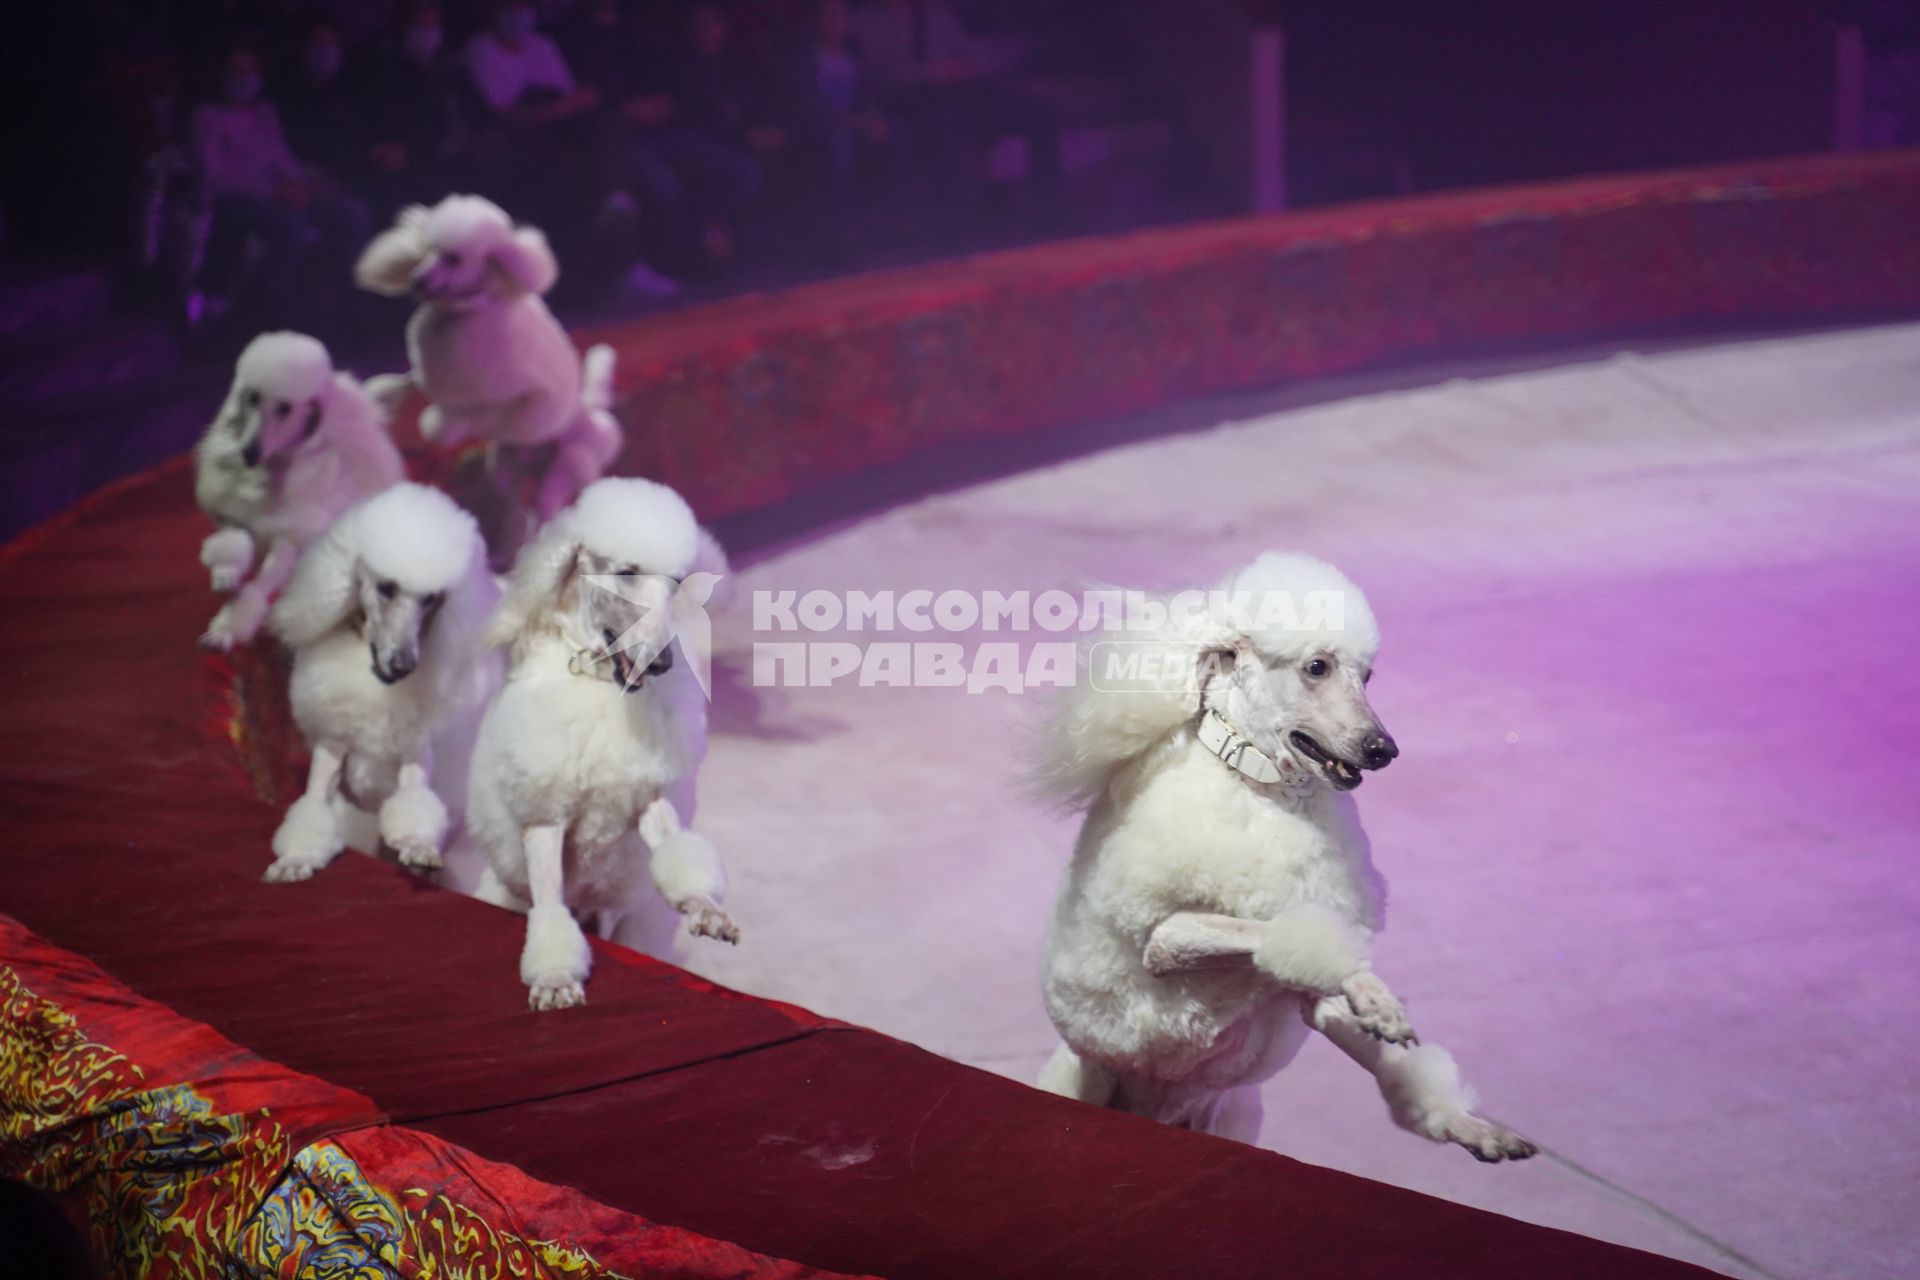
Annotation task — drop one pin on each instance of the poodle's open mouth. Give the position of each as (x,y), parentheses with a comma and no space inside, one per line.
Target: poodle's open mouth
(1344,776)
(626,672)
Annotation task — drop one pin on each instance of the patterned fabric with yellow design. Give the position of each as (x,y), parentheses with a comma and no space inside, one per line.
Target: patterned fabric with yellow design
(185,1157)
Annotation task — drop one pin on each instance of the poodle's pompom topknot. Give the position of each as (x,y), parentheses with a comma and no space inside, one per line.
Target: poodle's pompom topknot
(641,522)
(418,537)
(287,366)
(1288,605)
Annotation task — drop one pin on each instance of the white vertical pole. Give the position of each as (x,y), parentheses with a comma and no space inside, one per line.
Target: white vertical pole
(1269,120)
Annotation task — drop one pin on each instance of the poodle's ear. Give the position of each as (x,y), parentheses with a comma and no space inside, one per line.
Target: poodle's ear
(462,670)
(526,260)
(320,594)
(388,264)
(356,427)
(539,575)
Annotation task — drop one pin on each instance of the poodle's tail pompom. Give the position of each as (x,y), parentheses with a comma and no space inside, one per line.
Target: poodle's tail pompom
(388,263)
(320,594)
(596,402)
(596,377)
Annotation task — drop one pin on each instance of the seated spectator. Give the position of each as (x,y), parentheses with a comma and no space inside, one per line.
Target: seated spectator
(324,114)
(687,182)
(946,85)
(259,188)
(839,123)
(413,132)
(719,94)
(536,136)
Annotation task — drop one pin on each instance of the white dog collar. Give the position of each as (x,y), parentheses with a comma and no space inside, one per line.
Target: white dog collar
(1219,737)
(592,665)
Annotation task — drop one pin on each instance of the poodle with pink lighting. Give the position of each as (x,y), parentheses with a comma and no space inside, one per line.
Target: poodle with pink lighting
(1222,898)
(489,356)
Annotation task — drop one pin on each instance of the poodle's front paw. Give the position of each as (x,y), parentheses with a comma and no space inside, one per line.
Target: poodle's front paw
(1377,1010)
(556,959)
(705,919)
(289,871)
(413,821)
(555,991)
(236,623)
(1489,1143)
(307,840)
(418,855)
(225,577)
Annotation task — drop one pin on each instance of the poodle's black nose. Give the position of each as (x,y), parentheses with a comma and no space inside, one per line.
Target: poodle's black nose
(250,452)
(1378,751)
(395,669)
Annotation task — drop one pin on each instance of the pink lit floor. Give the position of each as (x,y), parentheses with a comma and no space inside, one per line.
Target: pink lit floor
(1654,842)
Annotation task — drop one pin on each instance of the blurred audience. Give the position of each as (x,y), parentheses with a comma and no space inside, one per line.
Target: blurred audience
(413,133)
(688,133)
(260,192)
(951,91)
(838,117)
(687,184)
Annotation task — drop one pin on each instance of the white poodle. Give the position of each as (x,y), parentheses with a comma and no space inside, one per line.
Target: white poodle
(1222,898)
(582,753)
(294,445)
(385,616)
(486,351)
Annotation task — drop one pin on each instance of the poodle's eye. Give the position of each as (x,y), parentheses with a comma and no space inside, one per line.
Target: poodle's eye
(284,408)
(433,601)
(1318,668)
(251,399)
(1367,678)
(451,259)
(388,590)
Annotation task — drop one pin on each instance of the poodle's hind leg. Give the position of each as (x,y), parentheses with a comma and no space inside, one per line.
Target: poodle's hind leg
(413,821)
(1071,1076)
(1421,1085)
(580,460)
(556,959)
(1237,1115)
(309,836)
(688,872)
(493,891)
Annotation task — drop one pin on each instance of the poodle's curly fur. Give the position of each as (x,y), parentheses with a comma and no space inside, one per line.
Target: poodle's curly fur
(295,443)
(1209,921)
(484,348)
(385,616)
(576,777)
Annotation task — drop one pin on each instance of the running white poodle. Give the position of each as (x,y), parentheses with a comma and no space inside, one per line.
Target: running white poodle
(385,616)
(485,350)
(1222,898)
(294,445)
(586,757)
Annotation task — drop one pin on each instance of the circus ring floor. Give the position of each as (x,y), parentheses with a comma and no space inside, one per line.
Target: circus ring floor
(1649,621)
